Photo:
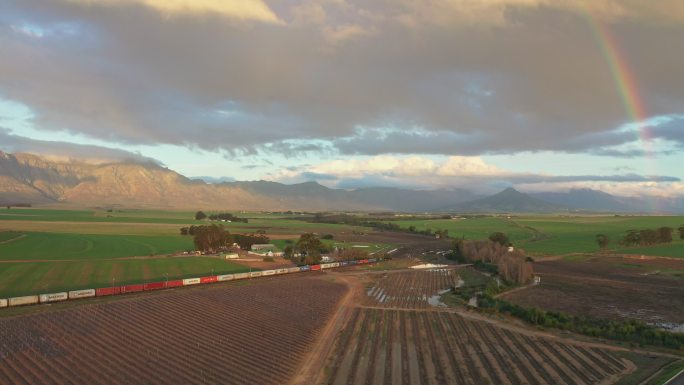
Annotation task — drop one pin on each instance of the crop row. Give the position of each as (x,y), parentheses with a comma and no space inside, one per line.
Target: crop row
(247,334)
(381,346)
(409,289)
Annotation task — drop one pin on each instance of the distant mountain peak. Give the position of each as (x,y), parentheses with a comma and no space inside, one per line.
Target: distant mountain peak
(508,200)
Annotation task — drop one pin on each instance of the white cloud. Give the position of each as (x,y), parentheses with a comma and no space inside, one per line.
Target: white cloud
(255,10)
(409,166)
(627,189)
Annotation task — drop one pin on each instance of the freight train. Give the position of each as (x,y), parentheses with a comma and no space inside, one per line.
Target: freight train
(150,286)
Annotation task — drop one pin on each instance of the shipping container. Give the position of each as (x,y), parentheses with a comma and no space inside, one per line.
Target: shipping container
(3,302)
(131,288)
(255,274)
(241,275)
(305,268)
(208,279)
(353,262)
(335,264)
(315,267)
(294,270)
(326,265)
(53,297)
(268,272)
(363,261)
(87,293)
(227,277)
(191,281)
(107,291)
(372,260)
(344,263)
(282,271)
(154,286)
(174,283)
(27,300)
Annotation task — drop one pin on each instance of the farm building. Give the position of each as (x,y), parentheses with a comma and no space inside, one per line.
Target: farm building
(263,247)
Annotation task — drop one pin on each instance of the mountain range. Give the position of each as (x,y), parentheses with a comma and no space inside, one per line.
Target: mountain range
(32,179)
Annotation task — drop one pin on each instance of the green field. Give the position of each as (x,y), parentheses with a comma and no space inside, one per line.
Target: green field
(471,228)
(56,246)
(46,277)
(557,235)
(577,234)
(45,250)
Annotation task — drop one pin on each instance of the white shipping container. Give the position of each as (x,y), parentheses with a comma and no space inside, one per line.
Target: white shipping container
(255,274)
(53,297)
(326,265)
(281,271)
(191,281)
(268,272)
(241,275)
(335,264)
(3,303)
(28,300)
(86,293)
(226,277)
(293,270)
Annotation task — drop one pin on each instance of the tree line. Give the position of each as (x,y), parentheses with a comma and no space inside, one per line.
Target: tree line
(355,220)
(632,331)
(200,215)
(645,237)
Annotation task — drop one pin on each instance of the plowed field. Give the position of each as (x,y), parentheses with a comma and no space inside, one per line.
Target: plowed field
(253,333)
(383,346)
(409,289)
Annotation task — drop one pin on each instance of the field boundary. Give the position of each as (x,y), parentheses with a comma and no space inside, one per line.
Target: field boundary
(13,239)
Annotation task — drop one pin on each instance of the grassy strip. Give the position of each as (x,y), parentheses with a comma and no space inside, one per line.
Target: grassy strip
(668,373)
(8,236)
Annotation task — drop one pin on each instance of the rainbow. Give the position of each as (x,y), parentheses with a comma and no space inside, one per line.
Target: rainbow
(629,93)
(624,80)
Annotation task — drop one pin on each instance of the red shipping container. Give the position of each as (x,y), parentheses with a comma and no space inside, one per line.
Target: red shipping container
(315,267)
(103,291)
(209,279)
(154,286)
(363,261)
(131,288)
(176,283)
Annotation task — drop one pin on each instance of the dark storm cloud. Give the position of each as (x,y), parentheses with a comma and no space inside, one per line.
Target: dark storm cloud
(502,79)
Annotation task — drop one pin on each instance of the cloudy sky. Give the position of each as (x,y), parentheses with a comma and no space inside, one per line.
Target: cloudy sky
(480,94)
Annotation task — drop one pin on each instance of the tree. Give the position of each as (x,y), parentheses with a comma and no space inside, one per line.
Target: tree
(681,232)
(310,247)
(245,241)
(288,252)
(211,238)
(632,238)
(200,215)
(500,238)
(665,234)
(602,240)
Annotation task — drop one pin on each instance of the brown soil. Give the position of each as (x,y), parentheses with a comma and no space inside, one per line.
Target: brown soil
(240,333)
(612,288)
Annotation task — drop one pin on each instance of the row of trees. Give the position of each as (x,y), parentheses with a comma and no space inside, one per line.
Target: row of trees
(630,330)
(355,220)
(645,237)
(648,237)
(200,215)
(212,238)
(512,266)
